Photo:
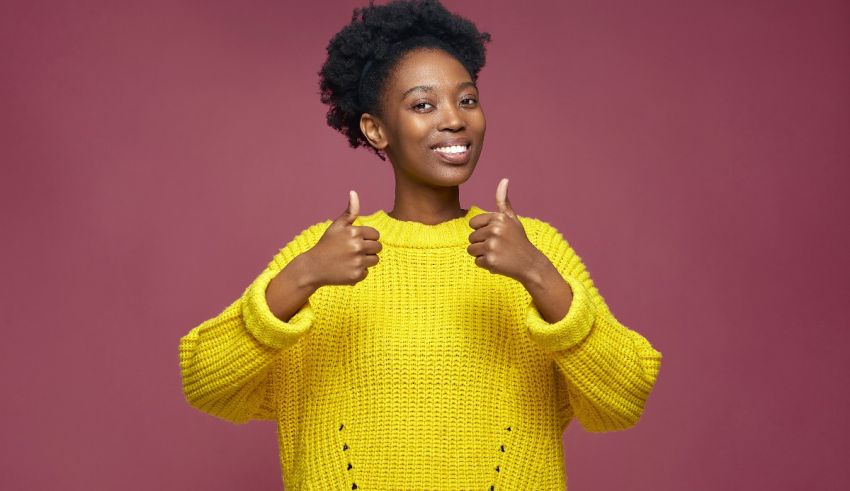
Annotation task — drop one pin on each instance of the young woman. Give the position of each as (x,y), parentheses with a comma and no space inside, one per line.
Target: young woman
(429,347)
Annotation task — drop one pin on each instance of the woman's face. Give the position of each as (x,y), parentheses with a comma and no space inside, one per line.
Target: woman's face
(431,124)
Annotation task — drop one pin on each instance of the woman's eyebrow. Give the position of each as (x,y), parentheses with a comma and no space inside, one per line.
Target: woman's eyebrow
(430,88)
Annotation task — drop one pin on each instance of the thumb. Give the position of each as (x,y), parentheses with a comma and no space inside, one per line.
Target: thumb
(353,209)
(502,201)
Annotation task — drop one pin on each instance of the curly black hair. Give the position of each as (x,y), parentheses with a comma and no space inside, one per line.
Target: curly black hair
(363,53)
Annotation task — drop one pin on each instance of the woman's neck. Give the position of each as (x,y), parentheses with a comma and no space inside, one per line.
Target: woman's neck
(428,206)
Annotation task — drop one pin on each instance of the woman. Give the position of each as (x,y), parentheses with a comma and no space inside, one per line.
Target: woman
(429,347)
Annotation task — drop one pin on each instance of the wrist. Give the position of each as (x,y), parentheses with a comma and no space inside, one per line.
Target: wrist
(302,272)
(535,277)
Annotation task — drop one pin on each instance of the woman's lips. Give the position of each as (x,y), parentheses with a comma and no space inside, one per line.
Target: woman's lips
(451,155)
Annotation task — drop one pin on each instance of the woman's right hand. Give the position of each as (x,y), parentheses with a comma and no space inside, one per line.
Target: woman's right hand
(344,253)
(340,257)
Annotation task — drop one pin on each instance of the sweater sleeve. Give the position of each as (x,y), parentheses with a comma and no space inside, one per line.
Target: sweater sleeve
(227,362)
(608,368)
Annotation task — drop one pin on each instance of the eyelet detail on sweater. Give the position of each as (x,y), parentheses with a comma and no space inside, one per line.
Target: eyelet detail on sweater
(345,448)
(503,446)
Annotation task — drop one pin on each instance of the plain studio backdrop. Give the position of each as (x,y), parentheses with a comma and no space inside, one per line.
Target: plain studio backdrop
(156,155)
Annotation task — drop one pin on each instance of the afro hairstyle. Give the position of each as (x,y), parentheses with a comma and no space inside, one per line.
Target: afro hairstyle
(361,56)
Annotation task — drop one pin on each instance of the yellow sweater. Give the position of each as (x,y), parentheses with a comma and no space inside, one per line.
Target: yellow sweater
(431,373)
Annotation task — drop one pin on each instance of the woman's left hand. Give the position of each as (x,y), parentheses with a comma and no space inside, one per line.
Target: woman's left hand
(499,242)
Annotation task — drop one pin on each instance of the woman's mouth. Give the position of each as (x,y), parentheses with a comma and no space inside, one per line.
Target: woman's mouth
(454,154)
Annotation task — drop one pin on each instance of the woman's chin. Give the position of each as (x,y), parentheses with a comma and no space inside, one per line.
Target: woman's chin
(456,176)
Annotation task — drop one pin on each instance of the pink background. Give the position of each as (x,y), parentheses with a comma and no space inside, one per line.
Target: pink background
(155,156)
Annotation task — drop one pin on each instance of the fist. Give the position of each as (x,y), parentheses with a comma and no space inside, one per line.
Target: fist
(499,243)
(344,253)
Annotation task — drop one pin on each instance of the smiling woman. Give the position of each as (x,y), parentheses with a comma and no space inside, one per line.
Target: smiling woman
(429,347)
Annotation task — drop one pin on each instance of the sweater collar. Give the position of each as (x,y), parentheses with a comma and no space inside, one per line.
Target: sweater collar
(416,234)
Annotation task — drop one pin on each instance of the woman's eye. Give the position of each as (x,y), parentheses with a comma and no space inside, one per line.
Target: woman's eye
(422,106)
(469,101)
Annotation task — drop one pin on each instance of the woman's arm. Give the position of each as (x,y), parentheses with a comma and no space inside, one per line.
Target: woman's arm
(610,370)
(226,362)
(551,294)
(291,288)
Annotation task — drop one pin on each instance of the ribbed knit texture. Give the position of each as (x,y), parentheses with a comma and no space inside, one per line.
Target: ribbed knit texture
(431,373)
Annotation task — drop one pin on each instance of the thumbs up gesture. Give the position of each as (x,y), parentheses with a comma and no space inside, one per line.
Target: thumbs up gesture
(499,242)
(345,251)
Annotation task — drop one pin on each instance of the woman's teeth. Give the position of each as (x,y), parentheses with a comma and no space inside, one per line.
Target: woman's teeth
(452,149)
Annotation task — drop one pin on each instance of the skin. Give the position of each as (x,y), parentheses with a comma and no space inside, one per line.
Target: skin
(428,98)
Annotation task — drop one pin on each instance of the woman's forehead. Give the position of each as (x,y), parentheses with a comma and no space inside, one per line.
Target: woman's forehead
(428,69)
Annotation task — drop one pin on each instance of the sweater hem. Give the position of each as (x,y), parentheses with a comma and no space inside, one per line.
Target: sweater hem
(568,331)
(266,327)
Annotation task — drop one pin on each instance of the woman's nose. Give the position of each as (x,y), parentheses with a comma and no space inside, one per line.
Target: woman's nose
(451,118)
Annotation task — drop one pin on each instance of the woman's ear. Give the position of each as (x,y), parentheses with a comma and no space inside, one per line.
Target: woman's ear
(372,129)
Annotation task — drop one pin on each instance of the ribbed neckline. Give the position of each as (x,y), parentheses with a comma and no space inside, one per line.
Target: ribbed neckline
(416,234)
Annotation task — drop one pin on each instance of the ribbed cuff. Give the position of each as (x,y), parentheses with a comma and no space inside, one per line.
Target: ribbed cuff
(264,325)
(569,331)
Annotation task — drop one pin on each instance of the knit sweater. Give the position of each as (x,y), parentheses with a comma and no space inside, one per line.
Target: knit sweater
(430,373)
